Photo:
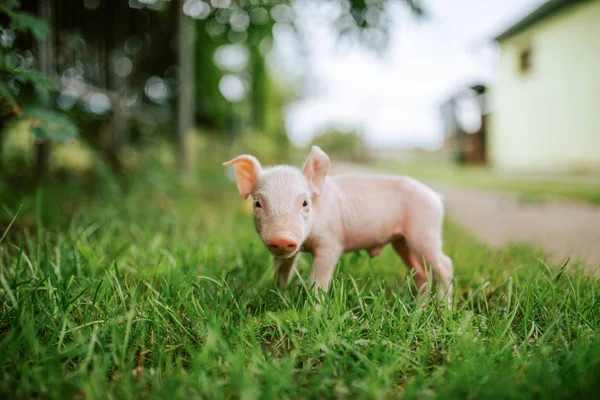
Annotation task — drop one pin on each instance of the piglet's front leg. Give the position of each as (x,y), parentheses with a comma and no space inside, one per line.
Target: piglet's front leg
(324,263)
(284,269)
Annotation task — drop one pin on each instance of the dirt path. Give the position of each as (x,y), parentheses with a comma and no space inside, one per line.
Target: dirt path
(563,229)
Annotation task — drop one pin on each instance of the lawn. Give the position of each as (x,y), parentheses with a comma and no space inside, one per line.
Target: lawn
(534,187)
(166,292)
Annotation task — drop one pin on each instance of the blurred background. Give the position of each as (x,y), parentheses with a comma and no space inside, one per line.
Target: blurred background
(500,95)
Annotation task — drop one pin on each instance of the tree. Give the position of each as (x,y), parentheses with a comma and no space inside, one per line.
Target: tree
(343,144)
(24,90)
(250,24)
(243,23)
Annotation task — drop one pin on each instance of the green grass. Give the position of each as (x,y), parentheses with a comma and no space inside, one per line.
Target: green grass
(166,292)
(532,187)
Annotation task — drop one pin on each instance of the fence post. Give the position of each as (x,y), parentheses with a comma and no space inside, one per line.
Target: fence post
(186,30)
(46,65)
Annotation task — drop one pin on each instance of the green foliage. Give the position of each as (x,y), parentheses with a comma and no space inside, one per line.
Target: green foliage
(10,68)
(8,98)
(212,33)
(50,125)
(168,293)
(211,105)
(17,155)
(26,77)
(30,98)
(23,21)
(68,160)
(260,145)
(343,144)
(358,19)
(368,20)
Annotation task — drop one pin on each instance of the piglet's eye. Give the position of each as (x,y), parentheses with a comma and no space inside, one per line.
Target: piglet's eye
(257,204)
(305,204)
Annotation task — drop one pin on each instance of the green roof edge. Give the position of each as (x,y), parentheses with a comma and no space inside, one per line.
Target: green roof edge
(545,10)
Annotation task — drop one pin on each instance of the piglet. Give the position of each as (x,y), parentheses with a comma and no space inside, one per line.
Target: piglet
(308,211)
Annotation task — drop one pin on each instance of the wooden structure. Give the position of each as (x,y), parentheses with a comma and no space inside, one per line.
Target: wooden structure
(467,139)
(113,48)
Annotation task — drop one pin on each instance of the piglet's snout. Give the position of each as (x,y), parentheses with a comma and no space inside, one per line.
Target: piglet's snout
(282,245)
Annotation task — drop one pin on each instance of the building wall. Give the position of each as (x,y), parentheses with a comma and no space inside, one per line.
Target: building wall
(549,117)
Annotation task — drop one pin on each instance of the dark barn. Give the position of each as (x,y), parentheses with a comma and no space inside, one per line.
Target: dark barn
(467,140)
(122,62)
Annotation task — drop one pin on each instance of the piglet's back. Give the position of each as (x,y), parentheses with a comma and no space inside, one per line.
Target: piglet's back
(375,208)
(379,188)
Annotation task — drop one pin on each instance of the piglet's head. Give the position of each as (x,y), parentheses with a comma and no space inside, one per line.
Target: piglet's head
(283,198)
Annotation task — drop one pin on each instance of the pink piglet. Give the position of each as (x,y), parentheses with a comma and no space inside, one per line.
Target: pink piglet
(305,210)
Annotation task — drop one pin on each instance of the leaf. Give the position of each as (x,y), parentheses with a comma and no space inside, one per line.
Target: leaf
(9,5)
(7,96)
(23,21)
(36,79)
(416,8)
(51,125)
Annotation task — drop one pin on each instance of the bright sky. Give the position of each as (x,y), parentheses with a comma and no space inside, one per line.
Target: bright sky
(394,100)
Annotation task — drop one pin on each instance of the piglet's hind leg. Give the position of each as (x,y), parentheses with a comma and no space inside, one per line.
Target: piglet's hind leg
(413,263)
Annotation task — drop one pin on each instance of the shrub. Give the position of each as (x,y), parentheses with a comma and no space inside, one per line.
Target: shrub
(348,145)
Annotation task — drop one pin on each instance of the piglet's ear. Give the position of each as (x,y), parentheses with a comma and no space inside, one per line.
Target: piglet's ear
(247,171)
(316,168)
